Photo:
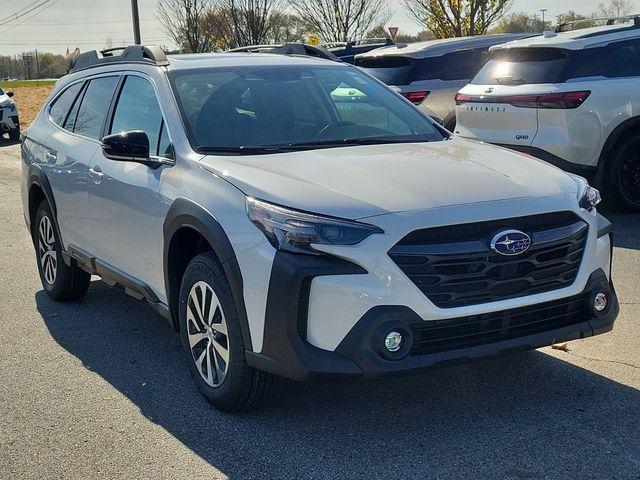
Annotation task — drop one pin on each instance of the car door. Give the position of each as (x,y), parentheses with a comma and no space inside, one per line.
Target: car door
(124,202)
(79,113)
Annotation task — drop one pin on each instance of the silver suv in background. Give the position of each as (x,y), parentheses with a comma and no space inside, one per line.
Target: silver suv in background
(430,73)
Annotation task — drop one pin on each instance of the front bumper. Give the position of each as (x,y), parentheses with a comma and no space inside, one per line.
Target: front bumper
(361,353)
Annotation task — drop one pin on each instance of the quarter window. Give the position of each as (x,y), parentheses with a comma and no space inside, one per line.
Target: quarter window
(95,106)
(63,103)
(138,109)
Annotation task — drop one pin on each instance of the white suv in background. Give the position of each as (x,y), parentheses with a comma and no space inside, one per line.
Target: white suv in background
(571,98)
(9,122)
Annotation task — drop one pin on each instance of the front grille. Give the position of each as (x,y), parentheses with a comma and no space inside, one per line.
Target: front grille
(454,266)
(455,333)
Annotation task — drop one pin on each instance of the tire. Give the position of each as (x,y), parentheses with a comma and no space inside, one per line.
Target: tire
(208,324)
(624,174)
(14,135)
(60,281)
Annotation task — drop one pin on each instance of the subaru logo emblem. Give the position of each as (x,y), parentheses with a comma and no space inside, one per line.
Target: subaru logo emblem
(510,242)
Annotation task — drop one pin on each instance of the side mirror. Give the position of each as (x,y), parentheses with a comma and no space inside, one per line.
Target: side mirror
(10,93)
(130,146)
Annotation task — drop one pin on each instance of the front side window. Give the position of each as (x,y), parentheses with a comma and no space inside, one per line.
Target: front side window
(94,107)
(61,105)
(138,109)
(245,109)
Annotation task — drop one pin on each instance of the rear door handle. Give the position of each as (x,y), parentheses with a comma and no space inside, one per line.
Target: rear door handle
(96,173)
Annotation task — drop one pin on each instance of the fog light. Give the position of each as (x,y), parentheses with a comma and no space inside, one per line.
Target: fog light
(393,341)
(600,301)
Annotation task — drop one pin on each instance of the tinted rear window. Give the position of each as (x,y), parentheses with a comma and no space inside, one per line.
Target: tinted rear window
(452,66)
(524,66)
(392,70)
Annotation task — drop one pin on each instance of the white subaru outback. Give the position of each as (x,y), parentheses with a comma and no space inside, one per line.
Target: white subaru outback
(569,98)
(286,228)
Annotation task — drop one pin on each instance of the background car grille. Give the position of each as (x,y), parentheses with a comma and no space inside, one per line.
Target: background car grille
(454,265)
(455,333)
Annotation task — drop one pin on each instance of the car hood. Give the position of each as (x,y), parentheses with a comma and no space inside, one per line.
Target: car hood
(5,101)
(363,181)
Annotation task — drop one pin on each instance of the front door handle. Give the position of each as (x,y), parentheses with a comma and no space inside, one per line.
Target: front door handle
(96,173)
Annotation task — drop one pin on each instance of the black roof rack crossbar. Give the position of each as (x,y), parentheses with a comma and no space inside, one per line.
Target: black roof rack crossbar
(146,54)
(291,48)
(567,26)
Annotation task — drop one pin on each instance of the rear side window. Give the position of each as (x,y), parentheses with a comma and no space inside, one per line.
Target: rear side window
(392,70)
(138,109)
(524,66)
(620,59)
(95,106)
(62,104)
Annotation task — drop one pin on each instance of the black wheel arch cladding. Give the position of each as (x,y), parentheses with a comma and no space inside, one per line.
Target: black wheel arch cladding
(185,213)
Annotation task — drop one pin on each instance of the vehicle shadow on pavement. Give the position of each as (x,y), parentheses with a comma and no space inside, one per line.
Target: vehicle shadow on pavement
(625,229)
(523,416)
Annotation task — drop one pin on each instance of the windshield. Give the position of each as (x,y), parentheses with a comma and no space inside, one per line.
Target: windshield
(261,109)
(523,65)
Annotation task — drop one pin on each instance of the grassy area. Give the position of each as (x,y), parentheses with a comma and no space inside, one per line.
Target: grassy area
(29,97)
(26,83)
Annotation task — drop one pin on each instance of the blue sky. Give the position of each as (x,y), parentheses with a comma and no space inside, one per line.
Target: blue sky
(92,23)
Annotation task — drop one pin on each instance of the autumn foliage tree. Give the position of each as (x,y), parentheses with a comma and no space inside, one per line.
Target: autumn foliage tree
(457,18)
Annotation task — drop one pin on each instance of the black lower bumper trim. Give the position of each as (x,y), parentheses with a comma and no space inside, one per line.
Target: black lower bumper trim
(583,170)
(361,353)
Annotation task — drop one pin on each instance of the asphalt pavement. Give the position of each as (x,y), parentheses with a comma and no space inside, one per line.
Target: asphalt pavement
(100,388)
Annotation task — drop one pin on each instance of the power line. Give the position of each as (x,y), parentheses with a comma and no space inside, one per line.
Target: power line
(18,14)
(35,14)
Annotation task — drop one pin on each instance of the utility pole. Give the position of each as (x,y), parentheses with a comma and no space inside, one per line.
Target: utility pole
(136,22)
(543,24)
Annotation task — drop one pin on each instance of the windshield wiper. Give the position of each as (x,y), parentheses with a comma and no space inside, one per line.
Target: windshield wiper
(245,149)
(291,147)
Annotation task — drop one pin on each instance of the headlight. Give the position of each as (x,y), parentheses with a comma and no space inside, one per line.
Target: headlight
(13,108)
(588,197)
(296,232)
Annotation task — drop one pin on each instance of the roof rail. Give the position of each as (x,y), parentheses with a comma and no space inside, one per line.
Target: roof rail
(291,48)
(146,54)
(567,26)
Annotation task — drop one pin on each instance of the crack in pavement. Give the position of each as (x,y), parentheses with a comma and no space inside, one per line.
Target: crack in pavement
(618,362)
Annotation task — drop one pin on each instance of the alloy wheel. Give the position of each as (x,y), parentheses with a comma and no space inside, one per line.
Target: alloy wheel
(46,248)
(630,175)
(208,334)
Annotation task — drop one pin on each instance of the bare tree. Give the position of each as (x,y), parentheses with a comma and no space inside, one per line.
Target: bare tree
(184,22)
(341,20)
(457,18)
(616,8)
(250,22)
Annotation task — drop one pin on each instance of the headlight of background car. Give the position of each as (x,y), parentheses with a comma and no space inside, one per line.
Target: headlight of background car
(295,232)
(588,197)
